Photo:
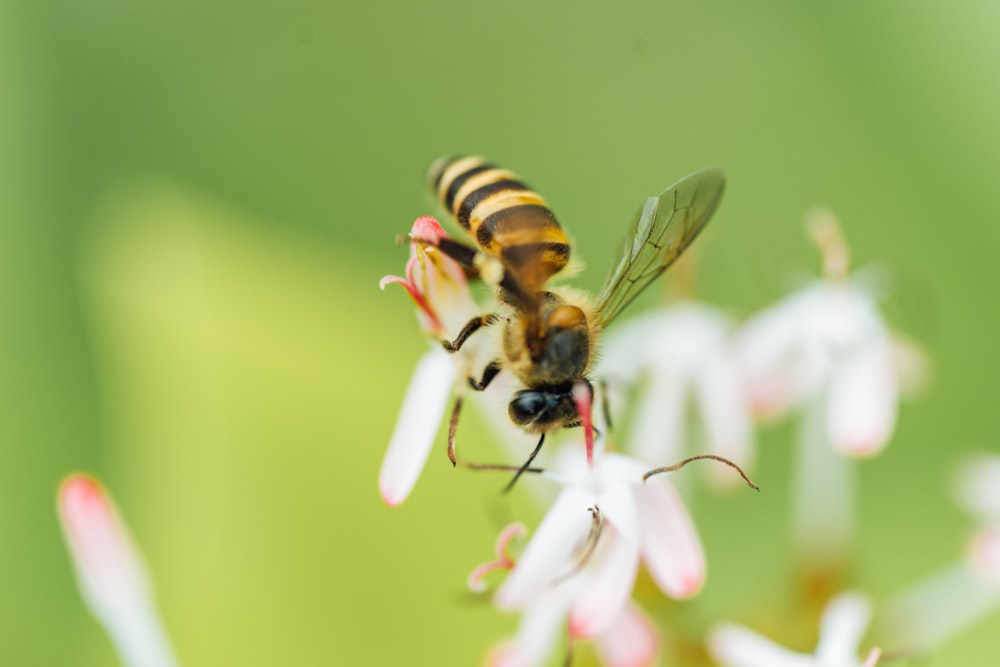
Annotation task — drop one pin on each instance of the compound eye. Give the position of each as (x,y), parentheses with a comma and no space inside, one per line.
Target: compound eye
(526,406)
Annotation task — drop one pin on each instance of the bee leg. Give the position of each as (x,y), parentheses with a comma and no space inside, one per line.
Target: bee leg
(452,427)
(489,373)
(487,268)
(471,327)
(527,464)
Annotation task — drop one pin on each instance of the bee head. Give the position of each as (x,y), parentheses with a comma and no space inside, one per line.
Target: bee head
(540,410)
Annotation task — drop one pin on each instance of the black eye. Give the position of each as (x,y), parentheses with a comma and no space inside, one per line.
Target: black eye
(527,405)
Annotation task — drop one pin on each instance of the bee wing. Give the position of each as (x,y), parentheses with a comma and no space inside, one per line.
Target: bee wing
(665,227)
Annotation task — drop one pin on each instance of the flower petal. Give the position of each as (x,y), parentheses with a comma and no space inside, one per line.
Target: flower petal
(609,584)
(107,564)
(842,627)
(976,486)
(657,430)
(541,626)
(630,640)
(111,576)
(725,417)
(419,418)
(861,408)
(735,646)
(551,551)
(670,545)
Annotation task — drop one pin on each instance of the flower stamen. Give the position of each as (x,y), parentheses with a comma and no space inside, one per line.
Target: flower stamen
(504,560)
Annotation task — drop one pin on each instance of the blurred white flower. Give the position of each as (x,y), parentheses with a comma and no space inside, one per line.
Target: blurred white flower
(977,490)
(438,287)
(842,628)
(636,520)
(826,343)
(628,640)
(963,593)
(110,574)
(680,356)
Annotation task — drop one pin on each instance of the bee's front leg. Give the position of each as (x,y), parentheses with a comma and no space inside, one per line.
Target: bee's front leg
(471,327)
(489,373)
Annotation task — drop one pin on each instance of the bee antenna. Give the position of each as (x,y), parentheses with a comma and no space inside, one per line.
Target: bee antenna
(714,457)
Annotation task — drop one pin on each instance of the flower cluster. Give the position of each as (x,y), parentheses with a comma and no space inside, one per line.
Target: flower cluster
(682,384)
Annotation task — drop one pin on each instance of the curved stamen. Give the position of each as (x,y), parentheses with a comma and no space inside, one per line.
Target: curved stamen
(504,561)
(596,527)
(721,459)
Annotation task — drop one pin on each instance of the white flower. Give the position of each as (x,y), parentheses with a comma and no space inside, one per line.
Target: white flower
(637,520)
(680,355)
(110,574)
(842,628)
(438,287)
(826,343)
(977,489)
(628,640)
(960,595)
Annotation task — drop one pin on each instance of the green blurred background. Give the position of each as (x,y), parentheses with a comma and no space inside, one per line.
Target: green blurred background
(197,200)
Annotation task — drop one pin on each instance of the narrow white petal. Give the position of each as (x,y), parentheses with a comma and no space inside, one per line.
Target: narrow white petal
(617,504)
(541,626)
(725,417)
(551,551)
(112,578)
(735,646)
(610,578)
(419,419)
(630,640)
(861,409)
(670,545)
(657,430)
(844,623)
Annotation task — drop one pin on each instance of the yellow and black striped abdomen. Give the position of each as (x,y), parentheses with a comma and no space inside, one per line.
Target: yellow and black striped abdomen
(506,218)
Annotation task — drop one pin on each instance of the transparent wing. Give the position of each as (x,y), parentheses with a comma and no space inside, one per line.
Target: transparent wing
(665,227)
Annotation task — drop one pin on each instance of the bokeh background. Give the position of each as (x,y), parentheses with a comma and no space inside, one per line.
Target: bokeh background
(197,200)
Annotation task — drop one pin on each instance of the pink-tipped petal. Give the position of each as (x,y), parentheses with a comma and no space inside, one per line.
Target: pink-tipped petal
(107,564)
(842,627)
(551,551)
(630,640)
(419,418)
(735,646)
(428,228)
(725,419)
(862,404)
(609,586)
(110,573)
(670,545)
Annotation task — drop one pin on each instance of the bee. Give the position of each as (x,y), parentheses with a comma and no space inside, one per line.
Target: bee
(550,333)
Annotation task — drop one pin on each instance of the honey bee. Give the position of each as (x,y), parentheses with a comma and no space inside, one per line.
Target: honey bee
(550,333)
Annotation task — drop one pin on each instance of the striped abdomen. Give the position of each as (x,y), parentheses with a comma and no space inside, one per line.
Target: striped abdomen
(506,218)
